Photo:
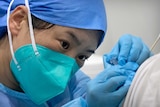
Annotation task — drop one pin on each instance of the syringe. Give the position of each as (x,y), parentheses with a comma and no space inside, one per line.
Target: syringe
(155,42)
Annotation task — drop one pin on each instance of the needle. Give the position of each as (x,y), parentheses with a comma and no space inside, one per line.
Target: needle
(155,42)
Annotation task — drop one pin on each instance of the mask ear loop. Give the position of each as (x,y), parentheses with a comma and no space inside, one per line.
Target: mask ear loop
(31,29)
(10,37)
(31,33)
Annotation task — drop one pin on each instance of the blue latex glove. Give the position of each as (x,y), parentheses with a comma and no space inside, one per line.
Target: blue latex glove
(128,49)
(107,89)
(129,70)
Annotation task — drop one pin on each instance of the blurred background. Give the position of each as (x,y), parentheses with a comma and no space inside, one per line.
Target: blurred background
(137,17)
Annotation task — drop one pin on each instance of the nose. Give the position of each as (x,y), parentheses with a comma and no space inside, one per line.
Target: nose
(71,54)
(74,55)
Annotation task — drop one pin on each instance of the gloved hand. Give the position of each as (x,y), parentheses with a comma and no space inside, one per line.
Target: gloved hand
(128,49)
(129,70)
(107,89)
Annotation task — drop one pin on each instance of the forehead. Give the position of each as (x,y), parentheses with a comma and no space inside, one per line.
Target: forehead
(79,39)
(82,34)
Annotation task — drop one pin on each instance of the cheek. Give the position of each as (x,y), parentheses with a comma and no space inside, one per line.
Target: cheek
(21,40)
(47,41)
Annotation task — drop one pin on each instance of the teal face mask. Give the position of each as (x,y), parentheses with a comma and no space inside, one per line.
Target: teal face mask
(44,75)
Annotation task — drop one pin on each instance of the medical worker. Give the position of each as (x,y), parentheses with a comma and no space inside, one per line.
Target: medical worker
(42,47)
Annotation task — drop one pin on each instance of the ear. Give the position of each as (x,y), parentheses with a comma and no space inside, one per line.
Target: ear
(16,19)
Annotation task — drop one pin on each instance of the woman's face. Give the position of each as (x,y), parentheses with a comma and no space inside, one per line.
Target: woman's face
(76,43)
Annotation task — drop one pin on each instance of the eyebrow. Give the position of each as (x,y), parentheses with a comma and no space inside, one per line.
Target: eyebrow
(77,41)
(91,51)
(72,35)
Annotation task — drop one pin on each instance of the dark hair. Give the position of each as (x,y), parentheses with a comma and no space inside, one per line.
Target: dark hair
(37,24)
(40,24)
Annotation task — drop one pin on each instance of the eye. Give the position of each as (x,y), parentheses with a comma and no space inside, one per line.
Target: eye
(65,44)
(81,60)
(82,57)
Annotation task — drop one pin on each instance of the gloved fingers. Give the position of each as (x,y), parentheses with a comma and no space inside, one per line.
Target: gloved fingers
(106,61)
(136,49)
(114,83)
(105,75)
(121,104)
(115,51)
(121,92)
(133,66)
(144,55)
(125,44)
(113,55)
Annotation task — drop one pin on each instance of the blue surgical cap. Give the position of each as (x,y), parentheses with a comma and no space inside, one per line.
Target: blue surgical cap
(85,14)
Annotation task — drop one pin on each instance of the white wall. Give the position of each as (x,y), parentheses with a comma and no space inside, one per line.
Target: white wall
(137,17)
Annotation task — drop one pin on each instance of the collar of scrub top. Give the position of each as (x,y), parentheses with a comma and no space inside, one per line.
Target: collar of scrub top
(68,13)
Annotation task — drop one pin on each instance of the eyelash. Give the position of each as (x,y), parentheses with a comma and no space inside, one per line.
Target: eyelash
(83,57)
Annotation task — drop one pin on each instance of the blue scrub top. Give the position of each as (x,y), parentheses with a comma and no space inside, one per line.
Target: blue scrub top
(76,88)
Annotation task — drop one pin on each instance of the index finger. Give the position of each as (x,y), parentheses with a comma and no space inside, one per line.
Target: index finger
(114,83)
(125,43)
(136,50)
